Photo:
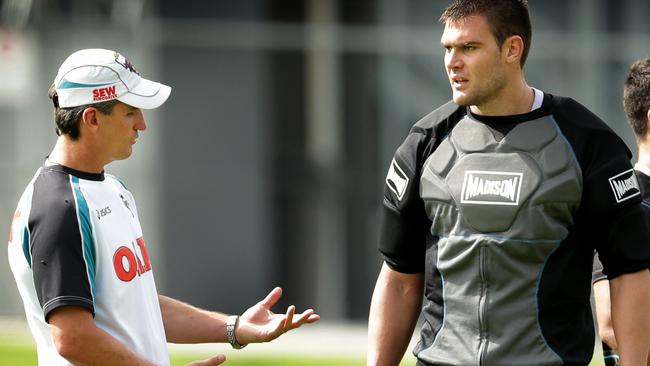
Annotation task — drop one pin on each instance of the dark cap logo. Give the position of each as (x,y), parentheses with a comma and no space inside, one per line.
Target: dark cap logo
(125,63)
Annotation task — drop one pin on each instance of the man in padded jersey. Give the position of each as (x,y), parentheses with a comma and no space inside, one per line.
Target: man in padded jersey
(636,102)
(76,247)
(493,206)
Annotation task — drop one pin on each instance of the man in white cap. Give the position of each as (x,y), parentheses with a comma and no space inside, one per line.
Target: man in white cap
(76,247)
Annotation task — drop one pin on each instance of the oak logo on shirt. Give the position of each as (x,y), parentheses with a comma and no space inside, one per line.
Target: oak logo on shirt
(491,188)
(396,180)
(128,263)
(624,186)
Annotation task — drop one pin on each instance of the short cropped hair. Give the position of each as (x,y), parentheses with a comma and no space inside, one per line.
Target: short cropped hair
(506,18)
(67,119)
(636,97)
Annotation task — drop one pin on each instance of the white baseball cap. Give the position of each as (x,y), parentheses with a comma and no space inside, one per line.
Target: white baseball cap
(92,76)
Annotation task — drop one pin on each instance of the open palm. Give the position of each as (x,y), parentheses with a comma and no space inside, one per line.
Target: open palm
(260,324)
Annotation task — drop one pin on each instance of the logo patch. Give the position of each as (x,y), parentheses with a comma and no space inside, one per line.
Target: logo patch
(126,204)
(396,180)
(124,63)
(491,188)
(104,93)
(624,186)
(103,212)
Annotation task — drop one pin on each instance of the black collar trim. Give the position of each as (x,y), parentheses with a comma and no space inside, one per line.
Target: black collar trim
(81,175)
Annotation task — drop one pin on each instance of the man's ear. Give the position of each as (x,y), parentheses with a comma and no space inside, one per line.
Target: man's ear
(513,48)
(89,118)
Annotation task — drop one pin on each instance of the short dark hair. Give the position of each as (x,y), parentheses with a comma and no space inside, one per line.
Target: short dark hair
(67,119)
(506,18)
(636,96)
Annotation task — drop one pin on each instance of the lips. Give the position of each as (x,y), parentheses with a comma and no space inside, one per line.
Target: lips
(459,81)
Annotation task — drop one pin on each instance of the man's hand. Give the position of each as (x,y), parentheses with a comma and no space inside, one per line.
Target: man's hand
(260,324)
(214,361)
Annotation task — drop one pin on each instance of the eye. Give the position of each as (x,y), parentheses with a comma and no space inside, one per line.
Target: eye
(468,47)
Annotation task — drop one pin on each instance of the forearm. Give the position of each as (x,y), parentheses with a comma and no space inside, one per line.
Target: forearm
(100,348)
(185,323)
(81,342)
(630,296)
(395,307)
(603,312)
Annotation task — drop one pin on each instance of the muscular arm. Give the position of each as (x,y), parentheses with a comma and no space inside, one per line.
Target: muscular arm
(394,310)
(187,324)
(630,296)
(81,342)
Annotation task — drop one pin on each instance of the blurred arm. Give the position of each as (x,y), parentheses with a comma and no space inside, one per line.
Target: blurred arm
(81,342)
(630,296)
(394,310)
(603,313)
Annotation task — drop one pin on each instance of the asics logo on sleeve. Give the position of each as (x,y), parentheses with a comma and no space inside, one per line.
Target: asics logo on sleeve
(491,188)
(624,186)
(396,180)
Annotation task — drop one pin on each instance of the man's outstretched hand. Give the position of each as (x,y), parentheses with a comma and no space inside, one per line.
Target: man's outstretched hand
(213,361)
(260,324)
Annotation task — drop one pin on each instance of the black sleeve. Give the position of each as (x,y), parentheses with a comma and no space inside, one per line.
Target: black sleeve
(612,203)
(404,223)
(62,267)
(610,216)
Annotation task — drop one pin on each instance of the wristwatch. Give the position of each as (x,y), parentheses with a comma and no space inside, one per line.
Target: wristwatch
(231,325)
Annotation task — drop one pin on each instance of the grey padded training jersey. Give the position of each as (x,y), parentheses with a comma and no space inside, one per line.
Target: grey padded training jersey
(502,215)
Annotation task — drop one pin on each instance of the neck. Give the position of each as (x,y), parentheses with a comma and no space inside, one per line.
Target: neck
(516,97)
(76,155)
(644,152)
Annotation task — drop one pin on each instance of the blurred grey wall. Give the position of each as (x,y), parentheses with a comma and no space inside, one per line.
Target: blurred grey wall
(266,165)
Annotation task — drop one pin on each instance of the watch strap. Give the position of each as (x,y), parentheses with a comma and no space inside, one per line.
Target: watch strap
(231,325)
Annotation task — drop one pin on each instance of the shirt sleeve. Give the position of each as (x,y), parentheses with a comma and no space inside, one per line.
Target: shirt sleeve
(60,247)
(612,202)
(404,223)
(597,271)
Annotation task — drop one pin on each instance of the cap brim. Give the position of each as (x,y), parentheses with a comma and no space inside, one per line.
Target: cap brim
(146,95)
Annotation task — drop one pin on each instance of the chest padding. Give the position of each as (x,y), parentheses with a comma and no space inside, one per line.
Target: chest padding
(527,184)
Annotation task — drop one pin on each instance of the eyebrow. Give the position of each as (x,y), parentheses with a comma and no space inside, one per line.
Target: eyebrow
(459,44)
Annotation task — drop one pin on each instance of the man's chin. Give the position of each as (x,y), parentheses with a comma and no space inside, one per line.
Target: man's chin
(125,155)
(461,100)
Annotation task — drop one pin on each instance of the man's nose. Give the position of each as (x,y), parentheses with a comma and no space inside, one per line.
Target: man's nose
(453,60)
(141,125)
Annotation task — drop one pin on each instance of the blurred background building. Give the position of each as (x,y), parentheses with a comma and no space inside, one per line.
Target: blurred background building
(266,165)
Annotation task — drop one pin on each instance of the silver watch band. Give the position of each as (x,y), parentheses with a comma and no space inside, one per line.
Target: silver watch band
(231,325)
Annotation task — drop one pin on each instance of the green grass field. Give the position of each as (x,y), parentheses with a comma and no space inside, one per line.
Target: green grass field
(19,355)
(22,355)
